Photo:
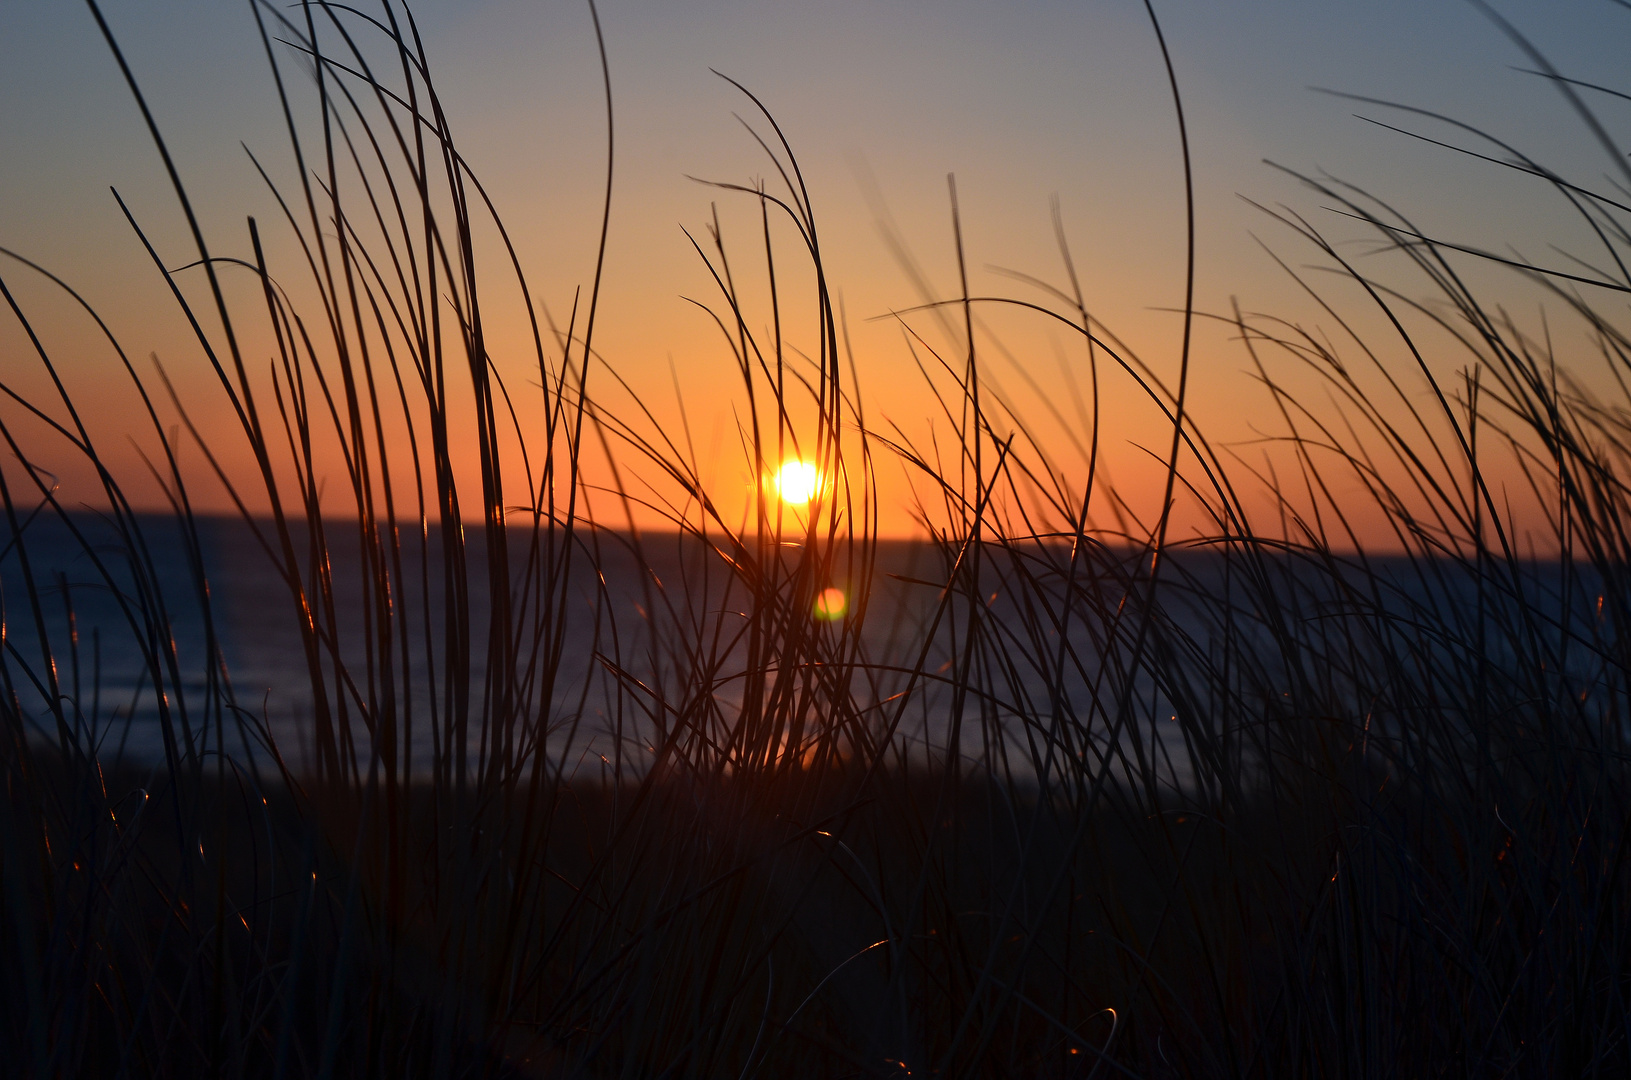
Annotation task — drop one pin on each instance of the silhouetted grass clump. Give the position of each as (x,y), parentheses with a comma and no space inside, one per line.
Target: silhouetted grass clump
(551,795)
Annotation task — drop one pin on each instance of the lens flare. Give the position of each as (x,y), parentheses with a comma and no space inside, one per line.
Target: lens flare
(831,605)
(797,482)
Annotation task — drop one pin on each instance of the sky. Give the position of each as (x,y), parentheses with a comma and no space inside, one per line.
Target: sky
(1024,101)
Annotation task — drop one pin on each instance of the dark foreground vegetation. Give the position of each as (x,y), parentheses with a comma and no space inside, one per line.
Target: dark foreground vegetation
(562,798)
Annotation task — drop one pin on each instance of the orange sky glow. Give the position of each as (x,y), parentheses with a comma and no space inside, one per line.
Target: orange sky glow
(880,104)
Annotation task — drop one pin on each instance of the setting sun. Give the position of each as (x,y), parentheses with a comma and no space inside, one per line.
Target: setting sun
(797,482)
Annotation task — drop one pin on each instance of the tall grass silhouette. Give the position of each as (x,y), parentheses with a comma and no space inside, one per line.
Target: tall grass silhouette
(568,796)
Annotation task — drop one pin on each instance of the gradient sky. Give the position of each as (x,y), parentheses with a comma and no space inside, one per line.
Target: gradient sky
(881,99)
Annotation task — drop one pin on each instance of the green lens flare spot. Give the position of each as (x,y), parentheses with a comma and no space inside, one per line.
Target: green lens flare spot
(831,605)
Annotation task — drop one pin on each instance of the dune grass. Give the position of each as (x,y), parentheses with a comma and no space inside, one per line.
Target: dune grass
(575,798)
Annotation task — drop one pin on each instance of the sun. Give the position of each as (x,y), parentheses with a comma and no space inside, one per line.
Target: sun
(797,482)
